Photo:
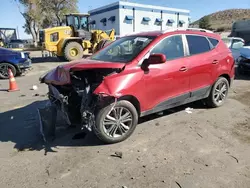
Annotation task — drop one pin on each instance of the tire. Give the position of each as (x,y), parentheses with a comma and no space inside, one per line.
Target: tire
(102,44)
(4,70)
(214,100)
(73,51)
(101,131)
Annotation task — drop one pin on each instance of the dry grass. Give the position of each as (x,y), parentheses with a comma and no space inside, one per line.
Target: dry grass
(224,19)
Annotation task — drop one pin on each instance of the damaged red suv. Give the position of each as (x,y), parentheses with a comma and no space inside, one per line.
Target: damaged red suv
(138,75)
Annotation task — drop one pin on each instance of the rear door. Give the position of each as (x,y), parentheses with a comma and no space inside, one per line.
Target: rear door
(202,59)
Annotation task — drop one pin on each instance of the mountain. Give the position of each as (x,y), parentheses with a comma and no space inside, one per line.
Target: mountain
(223,20)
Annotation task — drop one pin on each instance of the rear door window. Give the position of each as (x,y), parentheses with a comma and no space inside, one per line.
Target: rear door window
(214,42)
(197,44)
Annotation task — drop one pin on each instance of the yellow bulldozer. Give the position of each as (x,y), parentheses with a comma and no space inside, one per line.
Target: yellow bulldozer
(76,39)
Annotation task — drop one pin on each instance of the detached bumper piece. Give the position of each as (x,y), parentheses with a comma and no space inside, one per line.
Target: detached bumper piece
(47,117)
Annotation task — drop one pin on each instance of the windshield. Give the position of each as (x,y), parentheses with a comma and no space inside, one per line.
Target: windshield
(124,49)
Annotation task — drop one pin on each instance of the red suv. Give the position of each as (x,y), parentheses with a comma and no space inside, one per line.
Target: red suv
(138,75)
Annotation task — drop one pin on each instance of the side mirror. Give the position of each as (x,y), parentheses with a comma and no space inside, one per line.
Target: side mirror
(156,59)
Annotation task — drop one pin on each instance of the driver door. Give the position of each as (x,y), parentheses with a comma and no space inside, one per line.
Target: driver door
(168,83)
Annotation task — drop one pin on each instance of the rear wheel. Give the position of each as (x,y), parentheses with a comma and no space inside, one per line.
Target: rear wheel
(116,123)
(218,93)
(73,51)
(4,70)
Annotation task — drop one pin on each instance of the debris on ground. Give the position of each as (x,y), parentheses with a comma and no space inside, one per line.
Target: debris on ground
(178,184)
(22,95)
(12,117)
(124,187)
(34,87)
(160,113)
(117,154)
(199,135)
(234,158)
(36,95)
(189,110)
(47,171)
(157,124)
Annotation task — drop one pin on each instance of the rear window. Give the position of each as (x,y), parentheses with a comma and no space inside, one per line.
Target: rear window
(197,44)
(213,41)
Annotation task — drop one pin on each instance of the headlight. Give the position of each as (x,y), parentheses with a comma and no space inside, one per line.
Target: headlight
(22,55)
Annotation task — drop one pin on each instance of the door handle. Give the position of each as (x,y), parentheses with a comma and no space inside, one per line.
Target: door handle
(215,62)
(183,69)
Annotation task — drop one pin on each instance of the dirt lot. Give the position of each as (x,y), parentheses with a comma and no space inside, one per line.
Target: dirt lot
(208,148)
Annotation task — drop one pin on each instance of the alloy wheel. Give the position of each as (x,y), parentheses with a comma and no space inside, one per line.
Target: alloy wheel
(117,122)
(4,70)
(220,92)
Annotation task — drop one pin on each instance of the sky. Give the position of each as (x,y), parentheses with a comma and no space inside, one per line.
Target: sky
(11,17)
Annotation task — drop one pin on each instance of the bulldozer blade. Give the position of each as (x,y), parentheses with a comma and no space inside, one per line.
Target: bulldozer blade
(47,117)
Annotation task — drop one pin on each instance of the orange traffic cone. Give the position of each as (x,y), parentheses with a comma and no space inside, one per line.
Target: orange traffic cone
(12,82)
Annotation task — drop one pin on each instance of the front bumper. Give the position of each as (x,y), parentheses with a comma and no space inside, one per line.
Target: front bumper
(25,65)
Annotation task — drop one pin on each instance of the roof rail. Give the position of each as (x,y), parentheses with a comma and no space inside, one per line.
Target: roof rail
(199,29)
(187,29)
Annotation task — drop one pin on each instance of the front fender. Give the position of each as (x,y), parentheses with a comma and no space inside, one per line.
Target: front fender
(128,82)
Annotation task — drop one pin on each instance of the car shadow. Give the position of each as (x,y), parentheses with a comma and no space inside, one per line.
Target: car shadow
(21,127)
(51,59)
(241,76)
(45,60)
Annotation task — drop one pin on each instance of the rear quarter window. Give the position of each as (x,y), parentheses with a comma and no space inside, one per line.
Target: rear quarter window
(197,44)
(213,41)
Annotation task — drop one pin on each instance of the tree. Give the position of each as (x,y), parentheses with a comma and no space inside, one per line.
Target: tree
(40,14)
(58,8)
(33,16)
(204,22)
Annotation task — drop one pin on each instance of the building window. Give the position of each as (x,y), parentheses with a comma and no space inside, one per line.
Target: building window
(112,19)
(128,19)
(170,22)
(181,23)
(104,21)
(158,21)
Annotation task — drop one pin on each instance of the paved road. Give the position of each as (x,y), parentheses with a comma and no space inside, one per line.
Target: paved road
(208,148)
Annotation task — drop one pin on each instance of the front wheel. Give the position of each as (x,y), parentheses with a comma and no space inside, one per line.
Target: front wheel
(218,93)
(4,70)
(116,122)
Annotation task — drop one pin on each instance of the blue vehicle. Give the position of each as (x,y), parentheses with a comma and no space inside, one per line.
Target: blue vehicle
(17,61)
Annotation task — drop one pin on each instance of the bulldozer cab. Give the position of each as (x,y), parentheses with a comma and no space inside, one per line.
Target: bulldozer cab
(78,21)
(80,25)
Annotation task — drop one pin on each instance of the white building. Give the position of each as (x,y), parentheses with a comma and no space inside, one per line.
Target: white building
(127,17)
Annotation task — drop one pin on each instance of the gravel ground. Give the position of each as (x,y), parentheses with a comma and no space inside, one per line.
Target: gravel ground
(208,148)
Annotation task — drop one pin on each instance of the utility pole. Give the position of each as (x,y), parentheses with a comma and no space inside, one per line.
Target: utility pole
(17,33)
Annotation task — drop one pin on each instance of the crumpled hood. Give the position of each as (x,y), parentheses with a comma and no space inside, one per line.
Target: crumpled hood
(61,74)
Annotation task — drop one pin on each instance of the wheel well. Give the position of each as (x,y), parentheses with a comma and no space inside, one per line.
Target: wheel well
(134,101)
(227,77)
